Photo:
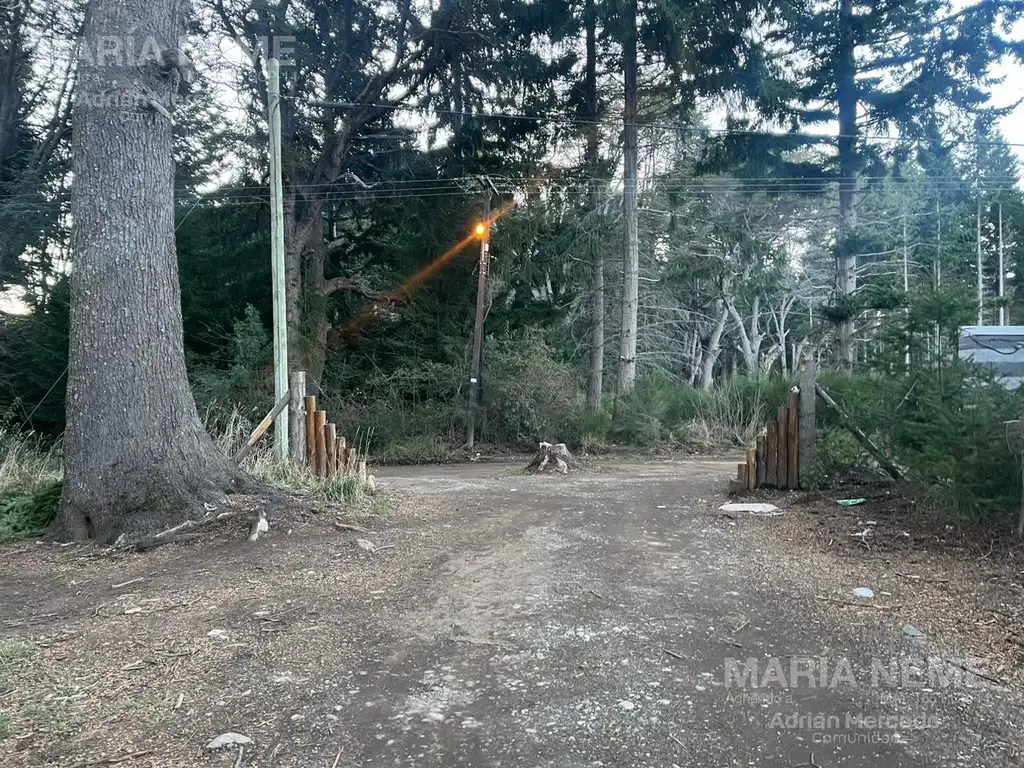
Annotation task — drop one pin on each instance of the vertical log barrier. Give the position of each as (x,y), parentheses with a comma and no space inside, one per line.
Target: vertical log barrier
(321,444)
(808,430)
(771,475)
(297,418)
(311,432)
(783,433)
(792,440)
(331,440)
(783,456)
(315,444)
(762,464)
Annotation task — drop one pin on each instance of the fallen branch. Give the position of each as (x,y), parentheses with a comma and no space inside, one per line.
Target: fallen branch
(975,672)
(126,583)
(178,532)
(349,527)
(876,606)
(673,654)
(922,578)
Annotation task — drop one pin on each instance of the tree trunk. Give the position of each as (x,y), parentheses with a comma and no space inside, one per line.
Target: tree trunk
(631,259)
(846,255)
(750,341)
(595,377)
(714,347)
(137,459)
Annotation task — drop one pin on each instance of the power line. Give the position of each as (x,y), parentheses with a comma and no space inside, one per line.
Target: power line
(23,203)
(665,125)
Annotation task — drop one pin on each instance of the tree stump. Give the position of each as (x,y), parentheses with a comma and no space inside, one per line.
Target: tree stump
(550,458)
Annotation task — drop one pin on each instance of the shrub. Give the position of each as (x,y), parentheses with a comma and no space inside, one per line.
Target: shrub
(944,424)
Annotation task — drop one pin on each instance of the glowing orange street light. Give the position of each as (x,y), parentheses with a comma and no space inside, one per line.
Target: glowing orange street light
(481,229)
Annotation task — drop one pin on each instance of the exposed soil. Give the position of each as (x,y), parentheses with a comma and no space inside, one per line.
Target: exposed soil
(971,579)
(602,618)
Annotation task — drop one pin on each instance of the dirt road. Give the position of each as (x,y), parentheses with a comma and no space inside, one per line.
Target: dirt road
(600,619)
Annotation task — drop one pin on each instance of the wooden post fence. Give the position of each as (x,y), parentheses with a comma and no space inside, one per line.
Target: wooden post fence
(783,455)
(314,444)
(297,417)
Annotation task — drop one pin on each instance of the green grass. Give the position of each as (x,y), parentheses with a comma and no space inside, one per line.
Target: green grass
(30,485)
(12,652)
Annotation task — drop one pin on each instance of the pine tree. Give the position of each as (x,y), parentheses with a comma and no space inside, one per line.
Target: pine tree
(877,67)
(129,470)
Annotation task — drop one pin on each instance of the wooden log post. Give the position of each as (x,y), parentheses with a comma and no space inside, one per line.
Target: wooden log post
(342,455)
(783,436)
(793,441)
(363,474)
(331,439)
(321,444)
(350,460)
(311,432)
(751,469)
(741,475)
(771,448)
(808,425)
(762,463)
(297,418)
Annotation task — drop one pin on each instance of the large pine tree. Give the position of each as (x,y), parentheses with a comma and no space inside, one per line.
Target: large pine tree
(136,456)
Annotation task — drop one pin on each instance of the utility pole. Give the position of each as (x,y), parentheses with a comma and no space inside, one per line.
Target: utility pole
(981,282)
(483,229)
(1002,269)
(277,255)
(906,277)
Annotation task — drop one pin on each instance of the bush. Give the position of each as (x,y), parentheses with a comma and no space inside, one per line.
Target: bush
(665,410)
(29,485)
(944,424)
(531,396)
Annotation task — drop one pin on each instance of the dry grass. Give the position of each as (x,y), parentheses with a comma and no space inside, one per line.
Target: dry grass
(27,465)
(231,432)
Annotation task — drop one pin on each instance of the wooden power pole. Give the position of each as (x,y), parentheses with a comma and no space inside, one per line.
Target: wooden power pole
(475,384)
(277,256)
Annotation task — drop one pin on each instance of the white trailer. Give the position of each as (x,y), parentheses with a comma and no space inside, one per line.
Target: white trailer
(1000,347)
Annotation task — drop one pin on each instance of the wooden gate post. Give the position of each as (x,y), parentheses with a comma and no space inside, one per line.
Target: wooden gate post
(808,429)
(782,433)
(310,404)
(297,417)
(321,444)
(331,442)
